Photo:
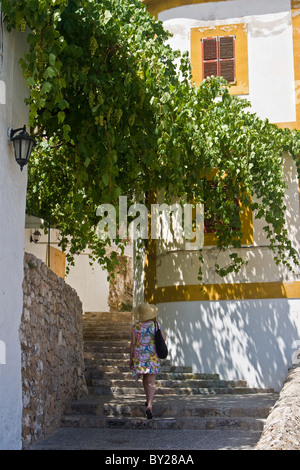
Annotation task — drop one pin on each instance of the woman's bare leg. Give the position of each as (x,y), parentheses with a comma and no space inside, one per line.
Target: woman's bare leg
(149,387)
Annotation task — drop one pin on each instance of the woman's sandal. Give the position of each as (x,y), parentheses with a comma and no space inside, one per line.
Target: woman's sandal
(149,414)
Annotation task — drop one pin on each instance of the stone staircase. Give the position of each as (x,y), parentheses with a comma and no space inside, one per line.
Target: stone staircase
(183,399)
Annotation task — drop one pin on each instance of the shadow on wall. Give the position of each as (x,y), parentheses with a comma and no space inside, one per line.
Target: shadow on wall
(248,339)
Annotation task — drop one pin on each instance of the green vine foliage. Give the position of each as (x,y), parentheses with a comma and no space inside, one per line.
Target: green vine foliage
(113,115)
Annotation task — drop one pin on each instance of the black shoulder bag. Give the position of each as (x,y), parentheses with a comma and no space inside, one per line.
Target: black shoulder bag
(160,345)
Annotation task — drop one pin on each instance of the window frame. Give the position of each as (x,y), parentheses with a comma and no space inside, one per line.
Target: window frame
(218,60)
(241,85)
(245,214)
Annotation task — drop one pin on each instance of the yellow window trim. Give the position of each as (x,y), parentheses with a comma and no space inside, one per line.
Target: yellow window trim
(246,217)
(157,6)
(241,87)
(150,283)
(247,229)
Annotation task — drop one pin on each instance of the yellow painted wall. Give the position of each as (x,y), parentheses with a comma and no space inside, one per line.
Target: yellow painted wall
(56,260)
(157,6)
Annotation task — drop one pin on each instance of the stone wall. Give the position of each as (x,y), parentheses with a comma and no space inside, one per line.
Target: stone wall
(282,428)
(52,349)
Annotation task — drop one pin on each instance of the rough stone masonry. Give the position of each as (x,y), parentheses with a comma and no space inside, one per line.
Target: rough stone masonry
(282,428)
(52,349)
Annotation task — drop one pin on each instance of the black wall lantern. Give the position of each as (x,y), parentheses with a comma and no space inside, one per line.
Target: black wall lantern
(35,237)
(23,145)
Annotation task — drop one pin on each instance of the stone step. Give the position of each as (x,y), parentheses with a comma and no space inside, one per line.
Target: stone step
(109,326)
(113,322)
(107,355)
(93,373)
(99,359)
(183,399)
(102,332)
(174,406)
(242,412)
(121,366)
(167,383)
(101,346)
(107,335)
(95,317)
(185,391)
(88,421)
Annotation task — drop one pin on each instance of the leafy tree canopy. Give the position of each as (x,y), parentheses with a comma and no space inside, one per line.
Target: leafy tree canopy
(114,115)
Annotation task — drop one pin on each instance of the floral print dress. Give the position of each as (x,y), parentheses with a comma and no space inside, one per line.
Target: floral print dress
(145,359)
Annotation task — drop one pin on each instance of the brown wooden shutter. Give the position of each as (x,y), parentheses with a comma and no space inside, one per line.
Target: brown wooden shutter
(227,70)
(210,57)
(210,49)
(210,68)
(219,57)
(226,47)
(226,57)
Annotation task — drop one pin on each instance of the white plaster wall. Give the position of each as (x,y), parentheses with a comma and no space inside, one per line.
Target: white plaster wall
(13,113)
(253,340)
(270,47)
(90,282)
(180,267)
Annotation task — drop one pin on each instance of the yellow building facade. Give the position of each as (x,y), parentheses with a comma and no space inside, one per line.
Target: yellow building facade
(246,325)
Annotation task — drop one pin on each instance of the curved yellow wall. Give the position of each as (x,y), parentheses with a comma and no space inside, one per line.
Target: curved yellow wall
(157,6)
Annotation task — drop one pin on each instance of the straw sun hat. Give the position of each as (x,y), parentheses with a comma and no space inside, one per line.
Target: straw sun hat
(145,312)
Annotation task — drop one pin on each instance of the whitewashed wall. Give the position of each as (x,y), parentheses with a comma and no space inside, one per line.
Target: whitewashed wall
(13,113)
(90,282)
(252,340)
(240,339)
(181,267)
(270,47)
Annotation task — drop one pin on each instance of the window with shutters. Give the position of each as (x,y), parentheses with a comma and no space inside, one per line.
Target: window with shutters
(241,220)
(218,57)
(211,221)
(245,224)
(221,50)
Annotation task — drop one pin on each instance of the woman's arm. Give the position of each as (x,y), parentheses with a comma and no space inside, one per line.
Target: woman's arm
(162,332)
(132,346)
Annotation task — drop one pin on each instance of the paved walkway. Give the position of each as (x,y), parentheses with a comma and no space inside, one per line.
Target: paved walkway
(148,439)
(226,438)
(113,439)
